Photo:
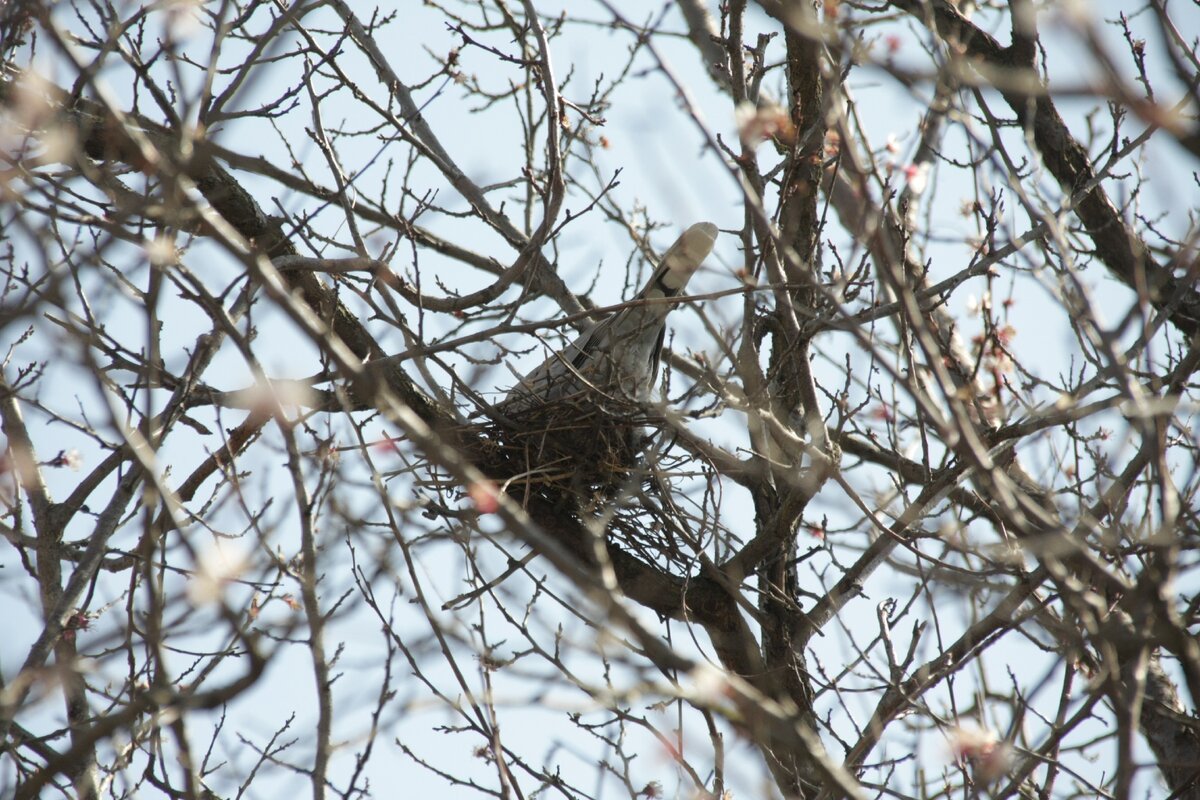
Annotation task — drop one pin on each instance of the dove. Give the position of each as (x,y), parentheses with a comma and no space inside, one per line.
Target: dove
(617,358)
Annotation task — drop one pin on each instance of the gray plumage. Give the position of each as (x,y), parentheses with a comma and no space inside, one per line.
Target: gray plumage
(618,357)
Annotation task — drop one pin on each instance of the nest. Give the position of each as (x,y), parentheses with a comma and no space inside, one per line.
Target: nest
(585,457)
(572,444)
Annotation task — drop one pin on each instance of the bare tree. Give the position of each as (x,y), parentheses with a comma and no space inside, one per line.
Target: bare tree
(911,509)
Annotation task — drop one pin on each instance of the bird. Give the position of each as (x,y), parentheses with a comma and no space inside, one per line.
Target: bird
(617,359)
